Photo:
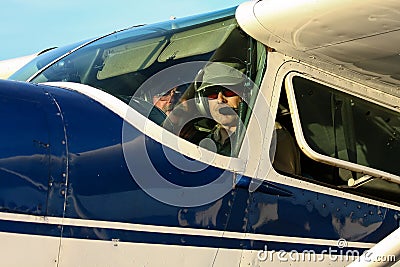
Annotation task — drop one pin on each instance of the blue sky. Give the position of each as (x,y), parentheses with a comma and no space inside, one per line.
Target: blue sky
(29,26)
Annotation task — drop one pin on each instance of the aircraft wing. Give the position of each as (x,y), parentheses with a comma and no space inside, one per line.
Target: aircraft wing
(348,37)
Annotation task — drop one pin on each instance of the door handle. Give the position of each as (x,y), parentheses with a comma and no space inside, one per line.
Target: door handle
(262,186)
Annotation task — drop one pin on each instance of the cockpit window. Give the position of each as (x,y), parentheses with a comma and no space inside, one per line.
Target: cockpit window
(125,64)
(119,63)
(347,127)
(24,73)
(343,140)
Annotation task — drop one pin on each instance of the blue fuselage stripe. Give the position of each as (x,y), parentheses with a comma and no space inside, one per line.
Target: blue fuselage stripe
(134,236)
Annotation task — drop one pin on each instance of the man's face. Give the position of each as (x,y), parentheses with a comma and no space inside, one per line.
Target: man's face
(222,104)
(166,101)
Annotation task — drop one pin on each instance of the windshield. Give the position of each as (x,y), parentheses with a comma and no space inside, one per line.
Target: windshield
(28,70)
(120,62)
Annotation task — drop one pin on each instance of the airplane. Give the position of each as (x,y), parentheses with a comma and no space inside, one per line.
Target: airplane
(93,173)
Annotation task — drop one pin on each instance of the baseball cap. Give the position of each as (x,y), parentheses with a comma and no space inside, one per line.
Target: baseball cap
(222,73)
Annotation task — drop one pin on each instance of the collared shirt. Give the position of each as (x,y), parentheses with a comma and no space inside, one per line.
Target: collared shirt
(224,148)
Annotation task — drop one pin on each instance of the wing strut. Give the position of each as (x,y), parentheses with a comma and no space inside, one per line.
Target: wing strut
(385,253)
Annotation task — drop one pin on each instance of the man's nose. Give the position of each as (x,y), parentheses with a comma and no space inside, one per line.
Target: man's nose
(221,98)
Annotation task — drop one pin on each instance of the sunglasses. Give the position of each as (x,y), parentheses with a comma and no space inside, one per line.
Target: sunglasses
(168,94)
(212,92)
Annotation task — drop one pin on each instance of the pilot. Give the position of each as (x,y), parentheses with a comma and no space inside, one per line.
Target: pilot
(224,88)
(220,94)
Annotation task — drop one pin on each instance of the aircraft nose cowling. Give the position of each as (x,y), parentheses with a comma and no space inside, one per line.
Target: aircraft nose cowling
(52,137)
(32,148)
